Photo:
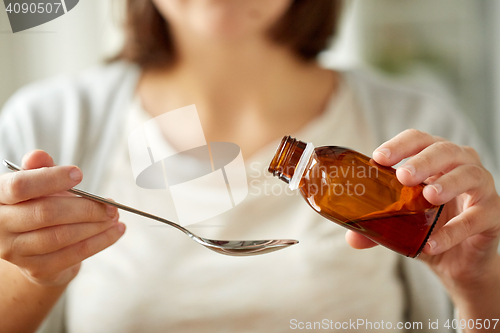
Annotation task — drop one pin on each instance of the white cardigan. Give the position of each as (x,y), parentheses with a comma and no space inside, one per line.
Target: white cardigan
(77,119)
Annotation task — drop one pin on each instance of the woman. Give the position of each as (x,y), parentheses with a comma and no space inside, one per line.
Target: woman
(249,68)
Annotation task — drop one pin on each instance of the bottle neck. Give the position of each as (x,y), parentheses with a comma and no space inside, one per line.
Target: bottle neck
(290,161)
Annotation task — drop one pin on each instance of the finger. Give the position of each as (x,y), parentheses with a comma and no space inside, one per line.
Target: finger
(40,159)
(358,241)
(458,229)
(28,184)
(37,159)
(433,179)
(40,266)
(50,211)
(51,239)
(439,157)
(407,143)
(469,178)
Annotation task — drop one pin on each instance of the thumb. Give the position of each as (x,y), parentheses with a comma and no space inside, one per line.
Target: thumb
(358,241)
(37,159)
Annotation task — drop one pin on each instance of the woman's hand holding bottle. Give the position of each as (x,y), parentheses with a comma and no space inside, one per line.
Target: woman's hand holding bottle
(462,250)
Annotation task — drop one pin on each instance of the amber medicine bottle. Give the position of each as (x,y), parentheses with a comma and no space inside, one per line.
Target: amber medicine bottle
(350,189)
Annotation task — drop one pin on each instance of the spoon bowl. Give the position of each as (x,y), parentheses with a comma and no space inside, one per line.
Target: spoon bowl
(244,248)
(226,247)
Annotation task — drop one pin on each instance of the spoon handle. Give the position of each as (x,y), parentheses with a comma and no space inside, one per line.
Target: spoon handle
(97,198)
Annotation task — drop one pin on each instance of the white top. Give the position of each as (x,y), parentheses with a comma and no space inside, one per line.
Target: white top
(156,279)
(159,280)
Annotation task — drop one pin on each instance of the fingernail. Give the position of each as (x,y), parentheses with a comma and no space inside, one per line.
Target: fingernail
(438,188)
(432,244)
(121,228)
(410,168)
(111,210)
(75,174)
(384,151)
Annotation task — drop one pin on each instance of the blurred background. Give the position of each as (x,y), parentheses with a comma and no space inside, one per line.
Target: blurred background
(448,47)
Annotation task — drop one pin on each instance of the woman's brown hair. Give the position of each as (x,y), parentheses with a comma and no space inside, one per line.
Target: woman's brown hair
(306,28)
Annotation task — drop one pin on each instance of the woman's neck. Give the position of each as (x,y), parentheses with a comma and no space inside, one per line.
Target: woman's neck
(250,90)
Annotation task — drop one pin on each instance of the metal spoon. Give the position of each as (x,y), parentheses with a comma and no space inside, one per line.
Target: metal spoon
(230,248)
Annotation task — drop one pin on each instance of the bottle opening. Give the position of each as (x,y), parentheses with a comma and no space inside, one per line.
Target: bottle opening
(276,166)
(286,158)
